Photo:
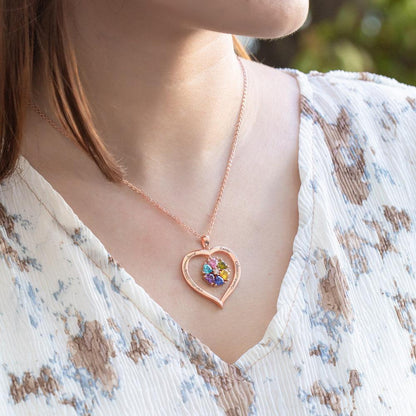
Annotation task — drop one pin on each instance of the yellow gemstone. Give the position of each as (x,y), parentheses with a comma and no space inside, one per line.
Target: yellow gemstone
(224,274)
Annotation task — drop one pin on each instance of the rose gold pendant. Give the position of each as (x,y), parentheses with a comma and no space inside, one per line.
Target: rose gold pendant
(215,271)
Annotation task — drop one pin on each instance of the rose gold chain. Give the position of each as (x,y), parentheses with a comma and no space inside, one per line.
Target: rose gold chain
(148,197)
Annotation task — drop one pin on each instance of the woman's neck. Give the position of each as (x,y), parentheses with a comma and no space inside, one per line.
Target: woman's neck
(165,96)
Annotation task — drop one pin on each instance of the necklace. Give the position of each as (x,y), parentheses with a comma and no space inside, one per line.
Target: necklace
(215,271)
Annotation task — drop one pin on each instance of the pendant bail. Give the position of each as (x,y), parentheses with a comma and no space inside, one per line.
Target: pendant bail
(205,241)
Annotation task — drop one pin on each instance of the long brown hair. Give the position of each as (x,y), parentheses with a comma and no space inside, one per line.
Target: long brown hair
(33,32)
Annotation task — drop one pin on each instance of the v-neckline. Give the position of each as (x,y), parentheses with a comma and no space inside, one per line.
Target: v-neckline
(94,249)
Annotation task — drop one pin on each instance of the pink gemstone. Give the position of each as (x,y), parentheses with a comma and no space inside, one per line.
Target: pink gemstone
(212,261)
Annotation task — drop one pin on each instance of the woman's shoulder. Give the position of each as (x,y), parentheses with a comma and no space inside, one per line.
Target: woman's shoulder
(375,92)
(363,125)
(358,76)
(378,109)
(375,102)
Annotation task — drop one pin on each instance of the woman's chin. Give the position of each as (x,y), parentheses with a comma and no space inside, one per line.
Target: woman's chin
(284,20)
(255,18)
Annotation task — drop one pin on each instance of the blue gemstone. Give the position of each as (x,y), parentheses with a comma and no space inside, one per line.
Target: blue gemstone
(219,280)
(207,268)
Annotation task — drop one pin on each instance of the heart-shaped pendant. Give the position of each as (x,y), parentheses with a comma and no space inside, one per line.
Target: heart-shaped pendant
(215,271)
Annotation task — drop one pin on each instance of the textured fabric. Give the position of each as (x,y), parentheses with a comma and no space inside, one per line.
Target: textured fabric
(78,335)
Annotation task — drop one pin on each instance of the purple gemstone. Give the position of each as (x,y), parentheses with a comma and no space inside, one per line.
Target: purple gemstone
(209,278)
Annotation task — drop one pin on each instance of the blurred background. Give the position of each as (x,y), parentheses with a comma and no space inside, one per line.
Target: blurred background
(354,35)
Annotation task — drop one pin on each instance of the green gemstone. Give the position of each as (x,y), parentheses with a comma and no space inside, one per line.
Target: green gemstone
(222,265)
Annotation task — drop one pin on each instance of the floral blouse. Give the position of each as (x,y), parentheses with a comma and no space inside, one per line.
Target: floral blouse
(79,336)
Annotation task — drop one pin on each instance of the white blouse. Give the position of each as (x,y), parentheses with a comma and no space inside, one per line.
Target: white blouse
(79,336)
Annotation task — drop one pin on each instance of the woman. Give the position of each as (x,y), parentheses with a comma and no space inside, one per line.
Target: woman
(185,231)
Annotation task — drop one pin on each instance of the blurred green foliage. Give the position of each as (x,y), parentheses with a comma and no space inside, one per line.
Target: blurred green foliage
(354,35)
(373,35)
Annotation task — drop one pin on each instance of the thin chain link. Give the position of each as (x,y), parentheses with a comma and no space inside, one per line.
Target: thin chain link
(148,197)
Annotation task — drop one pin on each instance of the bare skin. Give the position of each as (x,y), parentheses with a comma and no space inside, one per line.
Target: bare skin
(173,134)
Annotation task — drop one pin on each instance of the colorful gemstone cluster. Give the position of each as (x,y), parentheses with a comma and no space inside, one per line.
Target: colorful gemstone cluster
(215,271)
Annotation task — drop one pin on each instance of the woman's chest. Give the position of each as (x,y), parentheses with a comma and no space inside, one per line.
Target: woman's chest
(257,222)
